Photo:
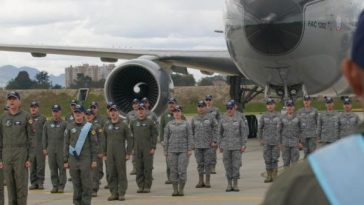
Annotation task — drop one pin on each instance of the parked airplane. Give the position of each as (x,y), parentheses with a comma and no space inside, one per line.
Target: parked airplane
(291,47)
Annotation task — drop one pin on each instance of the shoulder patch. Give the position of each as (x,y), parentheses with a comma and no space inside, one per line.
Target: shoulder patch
(30,121)
(93,132)
(101,130)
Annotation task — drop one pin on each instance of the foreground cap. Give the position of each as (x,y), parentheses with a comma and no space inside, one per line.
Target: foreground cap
(172,100)
(306,98)
(34,104)
(13,94)
(109,105)
(79,108)
(201,103)
(270,101)
(357,51)
(290,103)
(142,106)
(329,100)
(178,108)
(347,101)
(56,108)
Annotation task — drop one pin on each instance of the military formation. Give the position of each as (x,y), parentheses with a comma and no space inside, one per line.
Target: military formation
(305,129)
(84,141)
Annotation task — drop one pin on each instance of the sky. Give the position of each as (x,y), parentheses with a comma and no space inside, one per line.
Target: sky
(159,24)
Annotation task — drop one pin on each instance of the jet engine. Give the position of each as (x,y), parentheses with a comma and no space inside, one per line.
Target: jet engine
(137,79)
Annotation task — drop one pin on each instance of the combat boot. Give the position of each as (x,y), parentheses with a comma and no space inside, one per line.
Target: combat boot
(235,185)
(146,190)
(213,171)
(181,189)
(54,190)
(121,198)
(207,184)
(268,179)
(113,198)
(94,194)
(274,174)
(140,190)
(229,187)
(200,181)
(175,190)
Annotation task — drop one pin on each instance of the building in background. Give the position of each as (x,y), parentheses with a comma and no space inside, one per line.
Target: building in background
(96,72)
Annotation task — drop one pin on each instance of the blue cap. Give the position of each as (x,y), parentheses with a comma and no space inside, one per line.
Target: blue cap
(289,103)
(94,104)
(208,97)
(347,101)
(172,100)
(230,105)
(357,51)
(306,98)
(178,108)
(329,100)
(34,103)
(13,94)
(270,101)
(89,112)
(79,108)
(56,108)
(142,106)
(113,107)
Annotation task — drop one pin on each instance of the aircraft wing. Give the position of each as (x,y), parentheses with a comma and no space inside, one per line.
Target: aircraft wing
(204,60)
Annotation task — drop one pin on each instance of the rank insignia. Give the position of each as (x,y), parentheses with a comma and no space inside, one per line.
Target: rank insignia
(30,121)
(93,132)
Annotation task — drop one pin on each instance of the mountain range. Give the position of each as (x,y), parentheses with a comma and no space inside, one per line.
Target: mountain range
(9,72)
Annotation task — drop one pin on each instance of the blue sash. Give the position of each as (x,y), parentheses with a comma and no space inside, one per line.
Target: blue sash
(76,151)
(339,170)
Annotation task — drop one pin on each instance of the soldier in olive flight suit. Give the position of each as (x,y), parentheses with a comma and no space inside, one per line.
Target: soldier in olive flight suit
(178,149)
(233,132)
(117,149)
(328,124)
(214,111)
(145,135)
(2,199)
(130,117)
(37,170)
(70,116)
(80,155)
(204,129)
(269,139)
(53,137)
(348,121)
(16,149)
(90,117)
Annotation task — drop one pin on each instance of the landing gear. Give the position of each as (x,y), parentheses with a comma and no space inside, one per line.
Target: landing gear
(242,92)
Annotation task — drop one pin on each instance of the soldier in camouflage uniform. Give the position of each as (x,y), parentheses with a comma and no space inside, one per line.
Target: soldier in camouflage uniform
(269,138)
(328,124)
(37,170)
(308,117)
(179,144)
(117,148)
(214,111)
(82,161)
(204,129)
(289,131)
(145,136)
(16,149)
(130,117)
(53,137)
(233,132)
(348,121)
(99,138)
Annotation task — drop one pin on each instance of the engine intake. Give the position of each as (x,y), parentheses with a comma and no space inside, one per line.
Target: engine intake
(137,79)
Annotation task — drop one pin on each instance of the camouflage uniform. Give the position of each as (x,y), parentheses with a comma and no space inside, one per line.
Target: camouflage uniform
(204,130)
(267,132)
(145,135)
(37,170)
(80,167)
(328,127)
(233,132)
(348,123)
(15,149)
(214,111)
(179,140)
(116,135)
(289,130)
(308,118)
(53,137)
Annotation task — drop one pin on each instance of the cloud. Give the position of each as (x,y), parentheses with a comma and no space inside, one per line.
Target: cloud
(159,24)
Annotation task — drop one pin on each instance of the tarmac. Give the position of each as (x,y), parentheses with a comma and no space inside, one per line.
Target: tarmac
(252,188)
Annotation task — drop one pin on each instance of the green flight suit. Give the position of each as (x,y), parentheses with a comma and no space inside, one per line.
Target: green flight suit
(15,149)
(117,144)
(100,141)
(37,170)
(80,167)
(145,135)
(2,199)
(53,137)
(100,120)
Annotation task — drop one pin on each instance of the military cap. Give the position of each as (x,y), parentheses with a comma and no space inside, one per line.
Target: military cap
(201,103)
(56,108)
(145,100)
(79,108)
(109,104)
(306,98)
(13,94)
(34,103)
(172,100)
(94,104)
(74,102)
(178,108)
(142,106)
(289,103)
(270,101)
(347,101)
(329,100)
(208,97)
(230,105)
(89,112)
(113,107)
(135,101)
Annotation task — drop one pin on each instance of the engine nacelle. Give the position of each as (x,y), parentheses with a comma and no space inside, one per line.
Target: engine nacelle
(137,79)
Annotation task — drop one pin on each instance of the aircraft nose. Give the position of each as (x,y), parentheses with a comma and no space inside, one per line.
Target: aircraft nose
(273,27)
